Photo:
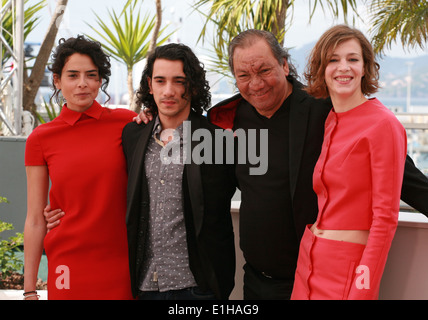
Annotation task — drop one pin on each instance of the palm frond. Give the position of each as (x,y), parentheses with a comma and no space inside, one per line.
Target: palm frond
(31,20)
(231,17)
(127,39)
(393,21)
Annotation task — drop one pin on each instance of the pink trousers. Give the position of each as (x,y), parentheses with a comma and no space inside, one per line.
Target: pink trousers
(325,268)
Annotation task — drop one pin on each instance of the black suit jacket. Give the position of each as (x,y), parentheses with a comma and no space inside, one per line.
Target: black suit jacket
(207,192)
(307,117)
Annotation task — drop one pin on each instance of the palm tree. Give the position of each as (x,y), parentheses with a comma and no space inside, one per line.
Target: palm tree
(32,83)
(30,22)
(129,40)
(393,20)
(156,29)
(231,17)
(234,16)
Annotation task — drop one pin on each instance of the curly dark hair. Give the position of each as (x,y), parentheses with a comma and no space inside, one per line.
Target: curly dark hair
(82,45)
(196,83)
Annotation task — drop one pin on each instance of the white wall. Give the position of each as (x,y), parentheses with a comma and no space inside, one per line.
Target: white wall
(406,271)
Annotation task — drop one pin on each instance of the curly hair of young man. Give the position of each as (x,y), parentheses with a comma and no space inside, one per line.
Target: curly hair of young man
(197,86)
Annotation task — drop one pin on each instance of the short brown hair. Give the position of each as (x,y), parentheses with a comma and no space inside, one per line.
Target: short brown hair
(322,51)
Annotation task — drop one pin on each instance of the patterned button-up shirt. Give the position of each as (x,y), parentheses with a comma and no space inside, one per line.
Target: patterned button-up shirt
(166,265)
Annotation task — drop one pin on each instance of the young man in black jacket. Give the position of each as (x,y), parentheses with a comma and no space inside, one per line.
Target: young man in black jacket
(180,235)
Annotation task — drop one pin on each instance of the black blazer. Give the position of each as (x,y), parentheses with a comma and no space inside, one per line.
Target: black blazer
(307,117)
(207,192)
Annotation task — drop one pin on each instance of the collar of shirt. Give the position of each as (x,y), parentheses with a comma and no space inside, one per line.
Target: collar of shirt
(157,129)
(71,116)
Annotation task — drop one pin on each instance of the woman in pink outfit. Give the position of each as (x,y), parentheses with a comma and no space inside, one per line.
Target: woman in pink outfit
(357,178)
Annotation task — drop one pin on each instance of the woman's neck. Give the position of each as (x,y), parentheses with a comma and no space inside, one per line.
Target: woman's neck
(343,104)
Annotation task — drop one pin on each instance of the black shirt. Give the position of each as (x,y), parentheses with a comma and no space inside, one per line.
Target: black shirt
(267,233)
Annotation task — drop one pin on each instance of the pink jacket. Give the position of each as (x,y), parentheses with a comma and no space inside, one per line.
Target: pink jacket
(358,181)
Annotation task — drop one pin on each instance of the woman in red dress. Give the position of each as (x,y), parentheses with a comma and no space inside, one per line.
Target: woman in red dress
(79,156)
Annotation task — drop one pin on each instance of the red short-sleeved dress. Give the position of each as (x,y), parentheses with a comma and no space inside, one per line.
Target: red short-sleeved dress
(87,254)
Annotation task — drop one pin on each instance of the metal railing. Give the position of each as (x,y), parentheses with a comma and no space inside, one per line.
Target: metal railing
(11,84)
